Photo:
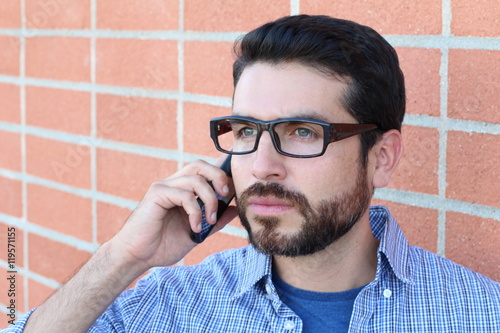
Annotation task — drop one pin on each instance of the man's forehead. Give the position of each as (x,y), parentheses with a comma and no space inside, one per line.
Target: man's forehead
(270,92)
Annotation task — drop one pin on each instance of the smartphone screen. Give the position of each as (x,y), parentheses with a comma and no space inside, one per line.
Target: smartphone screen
(199,237)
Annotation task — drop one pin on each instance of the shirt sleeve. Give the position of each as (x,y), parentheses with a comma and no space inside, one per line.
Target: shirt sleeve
(104,324)
(19,324)
(119,316)
(107,323)
(114,319)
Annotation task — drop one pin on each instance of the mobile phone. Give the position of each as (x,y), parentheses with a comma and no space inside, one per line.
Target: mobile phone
(199,237)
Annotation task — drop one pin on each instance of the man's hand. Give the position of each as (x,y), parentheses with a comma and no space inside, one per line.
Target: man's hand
(158,231)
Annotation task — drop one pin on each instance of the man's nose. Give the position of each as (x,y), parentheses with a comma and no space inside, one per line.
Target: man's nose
(268,163)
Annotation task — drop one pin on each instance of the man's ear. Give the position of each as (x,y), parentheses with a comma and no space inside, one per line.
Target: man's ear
(387,152)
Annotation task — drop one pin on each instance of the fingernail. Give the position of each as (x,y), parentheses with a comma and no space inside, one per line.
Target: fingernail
(225,189)
(199,227)
(214,217)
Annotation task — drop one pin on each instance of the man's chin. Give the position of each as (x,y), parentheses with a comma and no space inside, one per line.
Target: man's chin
(276,242)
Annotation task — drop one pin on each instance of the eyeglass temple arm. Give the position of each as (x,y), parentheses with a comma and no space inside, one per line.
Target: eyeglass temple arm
(343,131)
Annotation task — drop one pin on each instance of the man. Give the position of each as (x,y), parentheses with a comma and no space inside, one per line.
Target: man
(317,112)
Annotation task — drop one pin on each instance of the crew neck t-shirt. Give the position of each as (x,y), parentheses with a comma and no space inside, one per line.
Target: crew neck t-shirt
(320,312)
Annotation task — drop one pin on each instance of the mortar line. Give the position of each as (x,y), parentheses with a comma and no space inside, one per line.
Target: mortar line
(435,202)
(93,119)
(180,100)
(294,7)
(34,276)
(446,16)
(119,90)
(443,129)
(443,144)
(424,41)
(22,96)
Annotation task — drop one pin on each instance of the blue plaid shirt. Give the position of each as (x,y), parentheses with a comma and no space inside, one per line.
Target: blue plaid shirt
(232,291)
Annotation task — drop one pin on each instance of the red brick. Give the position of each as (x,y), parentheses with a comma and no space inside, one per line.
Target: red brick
(396,17)
(472,168)
(11,111)
(421,70)
(128,175)
(216,243)
(9,57)
(60,211)
(10,14)
(196,128)
(417,170)
(58,58)
(110,219)
(213,15)
(4,296)
(418,224)
(58,109)
(475,18)
(138,15)
(54,260)
(474,85)
(208,68)
(56,14)
(10,148)
(144,121)
(15,236)
(58,161)
(38,293)
(11,197)
(473,242)
(146,64)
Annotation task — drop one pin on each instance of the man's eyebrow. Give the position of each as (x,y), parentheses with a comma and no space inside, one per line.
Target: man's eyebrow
(313,115)
(306,114)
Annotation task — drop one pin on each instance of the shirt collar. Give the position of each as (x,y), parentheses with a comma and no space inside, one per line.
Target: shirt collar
(393,247)
(255,266)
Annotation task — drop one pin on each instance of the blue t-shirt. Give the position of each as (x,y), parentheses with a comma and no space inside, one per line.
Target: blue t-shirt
(320,312)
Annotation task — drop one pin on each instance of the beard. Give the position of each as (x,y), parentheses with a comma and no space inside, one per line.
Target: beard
(321,225)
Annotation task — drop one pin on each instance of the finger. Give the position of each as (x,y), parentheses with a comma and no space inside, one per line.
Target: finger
(212,173)
(200,187)
(171,197)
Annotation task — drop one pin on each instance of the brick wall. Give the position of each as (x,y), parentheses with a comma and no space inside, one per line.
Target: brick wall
(100,98)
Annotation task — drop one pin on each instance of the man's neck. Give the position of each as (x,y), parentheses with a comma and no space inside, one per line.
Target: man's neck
(348,263)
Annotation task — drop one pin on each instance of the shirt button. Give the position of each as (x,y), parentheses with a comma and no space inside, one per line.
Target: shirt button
(289,325)
(387,293)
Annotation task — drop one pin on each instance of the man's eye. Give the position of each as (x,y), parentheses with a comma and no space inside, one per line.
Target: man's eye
(304,132)
(248,131)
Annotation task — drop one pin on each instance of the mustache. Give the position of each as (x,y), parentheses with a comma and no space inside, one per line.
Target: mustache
(277,190)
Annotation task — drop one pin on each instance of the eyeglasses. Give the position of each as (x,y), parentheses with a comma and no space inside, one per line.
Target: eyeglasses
(294,137)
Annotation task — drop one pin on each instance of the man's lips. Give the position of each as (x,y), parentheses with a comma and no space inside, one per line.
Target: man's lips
(269,206)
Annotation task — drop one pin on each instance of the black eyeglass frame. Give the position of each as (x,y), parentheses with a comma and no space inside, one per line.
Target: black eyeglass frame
(333,132)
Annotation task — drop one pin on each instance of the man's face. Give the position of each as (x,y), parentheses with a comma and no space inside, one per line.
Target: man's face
(292,206)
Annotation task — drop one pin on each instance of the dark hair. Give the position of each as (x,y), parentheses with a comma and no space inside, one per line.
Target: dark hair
(339,48)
